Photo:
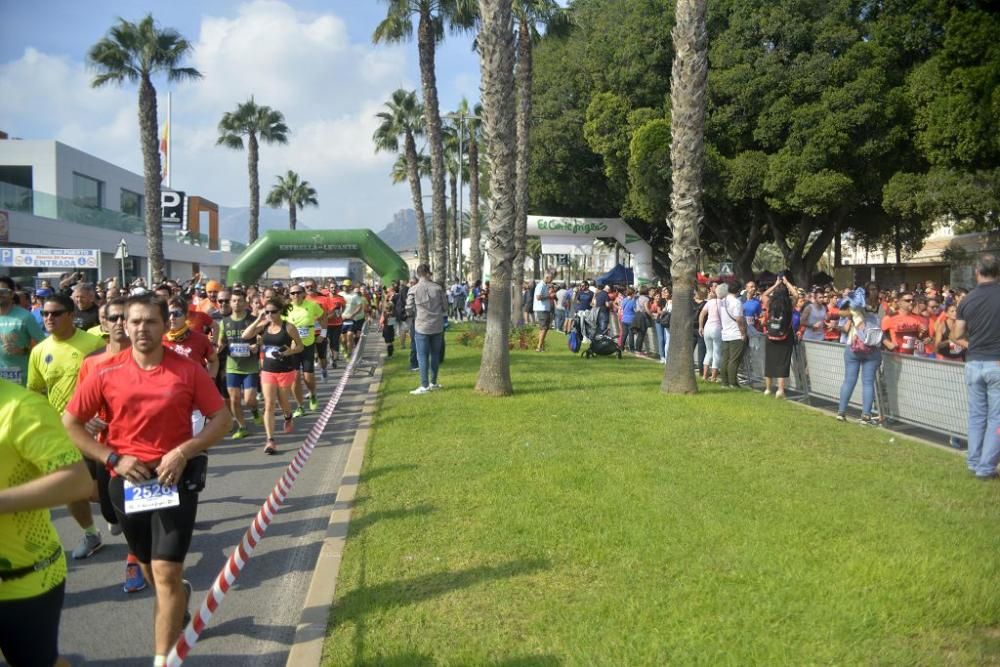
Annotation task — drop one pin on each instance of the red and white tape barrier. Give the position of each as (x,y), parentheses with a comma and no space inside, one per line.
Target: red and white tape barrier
(255,533)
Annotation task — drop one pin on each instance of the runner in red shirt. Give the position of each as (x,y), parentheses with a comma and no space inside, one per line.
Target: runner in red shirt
(150,393)
(188,342)
(113,321)
(905,330)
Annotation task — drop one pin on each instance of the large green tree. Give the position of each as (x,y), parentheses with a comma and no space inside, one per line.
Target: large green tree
(432,17)
(404,117)
(136,52)
(296,193)
(257,123)
(496,58)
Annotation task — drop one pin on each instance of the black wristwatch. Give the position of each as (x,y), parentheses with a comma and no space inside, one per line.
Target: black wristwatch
(112,460)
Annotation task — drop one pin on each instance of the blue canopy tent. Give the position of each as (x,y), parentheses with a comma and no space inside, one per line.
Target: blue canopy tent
(619,275)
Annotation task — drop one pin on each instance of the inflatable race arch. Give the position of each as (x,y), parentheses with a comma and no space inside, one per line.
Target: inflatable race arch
(363,244)
(570,232)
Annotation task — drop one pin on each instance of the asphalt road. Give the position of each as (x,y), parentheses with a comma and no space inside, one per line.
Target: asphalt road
(102,625)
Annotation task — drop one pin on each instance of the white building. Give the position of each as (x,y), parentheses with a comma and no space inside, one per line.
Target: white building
(55,196)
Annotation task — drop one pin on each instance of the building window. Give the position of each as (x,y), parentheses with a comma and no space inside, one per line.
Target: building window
(131,203)
(87,191)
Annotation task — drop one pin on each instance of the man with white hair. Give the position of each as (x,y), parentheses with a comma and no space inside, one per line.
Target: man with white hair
(734,335)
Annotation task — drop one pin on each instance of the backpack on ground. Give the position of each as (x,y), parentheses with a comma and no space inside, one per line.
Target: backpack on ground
(603,346)
(573,340)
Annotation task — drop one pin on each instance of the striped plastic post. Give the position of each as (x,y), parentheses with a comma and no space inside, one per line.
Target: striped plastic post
(255,533)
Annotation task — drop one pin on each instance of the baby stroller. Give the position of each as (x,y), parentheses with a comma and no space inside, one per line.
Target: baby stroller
(599,344)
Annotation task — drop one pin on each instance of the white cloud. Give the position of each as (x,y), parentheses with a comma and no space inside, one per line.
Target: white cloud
(303,64)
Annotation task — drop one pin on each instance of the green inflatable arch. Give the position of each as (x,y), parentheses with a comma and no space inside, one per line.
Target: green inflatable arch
(323,244)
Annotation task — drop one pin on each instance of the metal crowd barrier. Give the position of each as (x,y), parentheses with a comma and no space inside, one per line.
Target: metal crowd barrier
(922,392)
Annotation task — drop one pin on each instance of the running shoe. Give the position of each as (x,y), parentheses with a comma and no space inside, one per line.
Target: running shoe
(867,420)
(115,528)
(87,546)
(841,417)
(420,390)
(288,425)
(187,600)
(322,371)
(270,448)
(313,403)
(258,419)
(434,386)
(239,434)
(134,581)
(299,411)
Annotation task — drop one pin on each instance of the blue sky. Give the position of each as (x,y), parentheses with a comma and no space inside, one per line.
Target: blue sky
(312,60)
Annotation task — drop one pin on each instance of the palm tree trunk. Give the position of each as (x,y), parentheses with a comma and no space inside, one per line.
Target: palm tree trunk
(252,158)
(688,85)
(475,254)
(432,116)
(454,270)
(413,176)
(291,216)
(151,171)
(496,61)
(523,73)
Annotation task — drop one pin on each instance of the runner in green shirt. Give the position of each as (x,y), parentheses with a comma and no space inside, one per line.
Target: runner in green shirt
(304,314)
(18,329)
(242,363)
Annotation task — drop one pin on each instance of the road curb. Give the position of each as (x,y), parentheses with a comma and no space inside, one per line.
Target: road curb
(310,632)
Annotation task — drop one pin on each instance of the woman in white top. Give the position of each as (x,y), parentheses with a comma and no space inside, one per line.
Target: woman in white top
(710,328)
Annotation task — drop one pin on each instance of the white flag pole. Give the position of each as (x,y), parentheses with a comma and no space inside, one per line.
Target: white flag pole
(170,139)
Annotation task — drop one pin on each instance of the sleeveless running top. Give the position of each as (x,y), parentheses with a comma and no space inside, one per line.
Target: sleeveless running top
(274,342)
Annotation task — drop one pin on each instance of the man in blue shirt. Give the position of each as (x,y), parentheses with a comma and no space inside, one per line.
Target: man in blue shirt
(751,307)
(18,332)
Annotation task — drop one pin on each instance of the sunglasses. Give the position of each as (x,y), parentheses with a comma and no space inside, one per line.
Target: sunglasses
(295,292)
(53,313)
(272,312)
(177,313)
(115,318)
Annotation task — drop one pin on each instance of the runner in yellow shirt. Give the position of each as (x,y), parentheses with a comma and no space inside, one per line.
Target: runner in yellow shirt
(39,468)
(53,368)
(304,314)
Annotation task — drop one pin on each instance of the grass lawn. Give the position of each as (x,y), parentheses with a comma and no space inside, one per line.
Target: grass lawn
(592,520)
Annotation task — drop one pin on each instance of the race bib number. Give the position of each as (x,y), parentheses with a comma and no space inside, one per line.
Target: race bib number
(149,495)
(11,375)
(303,332)
(239,350)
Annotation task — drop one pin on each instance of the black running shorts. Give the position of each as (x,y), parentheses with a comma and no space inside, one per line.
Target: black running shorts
(321,345)
(333,334)
(307,359)
(29,628)
(163,534)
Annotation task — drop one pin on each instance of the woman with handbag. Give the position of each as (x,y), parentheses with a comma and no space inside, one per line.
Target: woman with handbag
(862,354)
(661,321)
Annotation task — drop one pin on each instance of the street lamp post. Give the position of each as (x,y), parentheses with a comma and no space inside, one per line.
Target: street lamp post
(461,116)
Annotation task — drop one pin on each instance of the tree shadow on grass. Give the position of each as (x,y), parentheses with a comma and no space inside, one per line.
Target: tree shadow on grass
(359,602)
(422,660)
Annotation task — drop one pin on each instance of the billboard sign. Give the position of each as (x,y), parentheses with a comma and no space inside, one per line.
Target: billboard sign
(172,204)
(30,258)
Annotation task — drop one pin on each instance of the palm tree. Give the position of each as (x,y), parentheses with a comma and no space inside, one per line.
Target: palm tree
(473,126)
(528,14)
(257,123)
(688,92)
(290,190)
(451,153)
(404,117)
(496,58)
(135,52)
(432,18)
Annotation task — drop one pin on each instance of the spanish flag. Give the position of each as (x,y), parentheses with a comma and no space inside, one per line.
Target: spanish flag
(165,151)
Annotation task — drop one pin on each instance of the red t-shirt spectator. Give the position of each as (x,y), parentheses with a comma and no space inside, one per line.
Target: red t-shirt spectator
(905,331)
(196,347)
(832,333)
(150,410)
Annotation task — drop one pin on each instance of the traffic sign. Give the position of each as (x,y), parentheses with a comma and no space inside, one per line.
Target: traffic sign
(726,268)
